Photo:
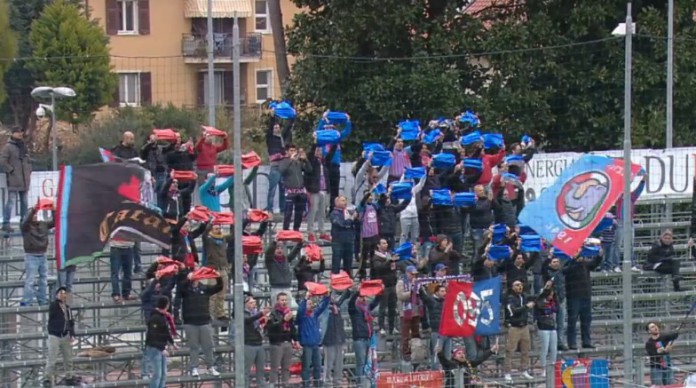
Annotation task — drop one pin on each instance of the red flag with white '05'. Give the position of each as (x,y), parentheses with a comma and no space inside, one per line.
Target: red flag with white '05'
(460,310)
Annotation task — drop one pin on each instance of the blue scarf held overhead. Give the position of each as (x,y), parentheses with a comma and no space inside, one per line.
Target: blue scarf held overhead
(493,140)
(328,136)
(431,136)
(464,199)
(470,118)
(442,197)
(379,189)
(401,190)
(471,138)
(414,172)
(283,110)
(404,251)
(410,129)
(499,232)
(499,252)
(474,163)
(443,160)
(369,147)
(530,243)
(381,158)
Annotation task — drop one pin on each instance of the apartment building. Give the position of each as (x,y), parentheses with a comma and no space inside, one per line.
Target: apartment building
(159,49)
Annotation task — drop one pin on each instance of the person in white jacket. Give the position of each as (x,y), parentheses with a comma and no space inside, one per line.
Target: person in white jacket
(410,228)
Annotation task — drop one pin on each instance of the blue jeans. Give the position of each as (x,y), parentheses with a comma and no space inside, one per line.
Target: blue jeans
(10,204)
(157,362)
(425,248)
(360,347)
(342,253)
(160,180)
(35,265)
(579,308)
(121,261)
(137,261)
(275,181)
(561,322)
(661,376)
(477,240)
(66,277)
(311,356)
(445,345)
(611,256)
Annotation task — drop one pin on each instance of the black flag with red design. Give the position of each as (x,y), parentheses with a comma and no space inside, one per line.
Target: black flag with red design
(101,201)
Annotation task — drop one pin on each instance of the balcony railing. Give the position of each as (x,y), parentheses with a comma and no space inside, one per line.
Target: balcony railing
(195,46)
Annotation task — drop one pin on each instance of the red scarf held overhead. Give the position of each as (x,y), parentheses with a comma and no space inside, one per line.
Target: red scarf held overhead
(283,311)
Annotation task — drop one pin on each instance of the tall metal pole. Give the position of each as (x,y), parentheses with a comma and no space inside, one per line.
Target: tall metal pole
(54,132)
(627,220)
(670,72)
(211,67)
(240,378)
(670,89)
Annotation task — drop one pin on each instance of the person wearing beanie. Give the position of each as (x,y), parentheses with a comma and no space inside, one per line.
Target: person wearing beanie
(157,338)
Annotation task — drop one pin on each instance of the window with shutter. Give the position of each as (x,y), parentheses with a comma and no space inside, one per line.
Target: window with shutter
(129,91)
(113,17)
(128,17)
(145,88)
(144,17)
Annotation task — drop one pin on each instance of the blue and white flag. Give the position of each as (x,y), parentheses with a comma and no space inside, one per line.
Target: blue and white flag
(488,319)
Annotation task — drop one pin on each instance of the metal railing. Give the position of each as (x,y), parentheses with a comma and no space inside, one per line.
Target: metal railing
(196,46)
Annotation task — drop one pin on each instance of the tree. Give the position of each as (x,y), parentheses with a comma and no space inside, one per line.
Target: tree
(349,58)
(18,80)
(279,46)
(72,51)
(8,44)
(569,94)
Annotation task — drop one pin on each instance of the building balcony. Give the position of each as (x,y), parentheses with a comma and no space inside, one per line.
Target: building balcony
(195,48)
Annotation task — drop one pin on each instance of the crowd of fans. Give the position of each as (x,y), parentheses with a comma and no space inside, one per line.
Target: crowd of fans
(413,205)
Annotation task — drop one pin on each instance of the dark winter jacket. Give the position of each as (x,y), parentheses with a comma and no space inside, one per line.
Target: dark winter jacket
(516,311)
(545,311)
(312,178)
(59,324)
(577,277)
(150,294)
(180,160)
(433,305)
(361,330)
(196,302)
(293,171)
(179,241)
(469,368)
(384,268)
(559,282)
(125,152)
(387,215)
(15,161)
(35,233)
(658,253)
(275,329)
(158,332)
(481,215)
(342,229)
(332,322)
(154,157)
(305,273)
(279,273)
(276,144)
(252,334)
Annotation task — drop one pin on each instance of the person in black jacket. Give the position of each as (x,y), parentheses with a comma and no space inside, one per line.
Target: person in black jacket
(282,335)
(344,225)
(305,272)
(361,318)
(35,239)
(661,258)
(254,354)
(658,347)
(458,360)
(480,218)
(125,149)
(518,269)
(196,316)
(434,304)
(181,158)
(154,157)
(158,336)
(545,312)
(278,135)
(517,309)
(387,214)
(553,270)
(579,298)
(384,268)
(61,334)
(171,195)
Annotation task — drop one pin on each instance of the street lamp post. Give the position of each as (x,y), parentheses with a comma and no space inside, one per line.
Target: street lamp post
(50,94)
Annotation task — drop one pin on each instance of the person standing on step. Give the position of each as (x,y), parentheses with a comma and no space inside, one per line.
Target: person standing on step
(61,334)
(317,183)
(361,318)
(35,240)
(384,268)
(293,168)
(207,148)
(282,335)
(157,338)
(343,231)
(278,267)
(334,340)
(215,250)
(277,137)
(121,257)
(14,159)
(411,310)
(658,347)
(517,308)
(310,337)
(196,316)
(254,353)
